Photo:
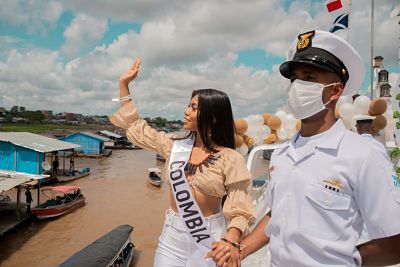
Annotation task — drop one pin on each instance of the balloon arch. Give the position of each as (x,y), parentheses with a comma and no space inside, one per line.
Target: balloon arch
(271,128)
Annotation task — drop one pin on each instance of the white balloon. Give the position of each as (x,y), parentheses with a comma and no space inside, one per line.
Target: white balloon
(281,114)
(266,131)
(251,131)
(349,123)
(258,140)
(344,99)
(243,150)
(282,133)
(347,110)
(259,119)
(361,104)
(289,122)
(252,121)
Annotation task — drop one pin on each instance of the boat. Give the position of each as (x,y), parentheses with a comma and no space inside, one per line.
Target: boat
(154,176)
(73,175)
(112,249)
(66,198)
(160,158)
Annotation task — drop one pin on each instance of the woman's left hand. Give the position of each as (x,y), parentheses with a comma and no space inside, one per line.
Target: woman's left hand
(224,254)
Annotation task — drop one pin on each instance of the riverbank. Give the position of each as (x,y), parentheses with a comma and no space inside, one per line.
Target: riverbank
(39,128)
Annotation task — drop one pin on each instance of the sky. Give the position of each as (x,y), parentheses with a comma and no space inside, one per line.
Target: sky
(67,56)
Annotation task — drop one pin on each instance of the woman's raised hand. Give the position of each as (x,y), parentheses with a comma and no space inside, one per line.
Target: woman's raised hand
(130,74)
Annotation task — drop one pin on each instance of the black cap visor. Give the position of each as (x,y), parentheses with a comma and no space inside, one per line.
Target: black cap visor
(318,58)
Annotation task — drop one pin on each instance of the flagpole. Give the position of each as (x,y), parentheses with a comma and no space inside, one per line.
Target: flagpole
(372,48)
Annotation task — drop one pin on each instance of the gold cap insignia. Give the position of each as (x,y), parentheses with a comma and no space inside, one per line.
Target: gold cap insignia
(305,40)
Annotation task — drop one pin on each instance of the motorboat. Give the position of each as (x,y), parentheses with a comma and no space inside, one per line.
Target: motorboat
(159,157)
(111,250)
(63,199)
(154,176)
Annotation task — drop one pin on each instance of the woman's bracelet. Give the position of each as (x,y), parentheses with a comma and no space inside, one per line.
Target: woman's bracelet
(124,98)
(236,245)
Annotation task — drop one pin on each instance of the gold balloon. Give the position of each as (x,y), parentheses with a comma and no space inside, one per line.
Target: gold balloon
(238,140)
(248,140)
(379,123)
(374,132)
(271,138)
(274,122)
(377,106)
(240,126)
(266,116)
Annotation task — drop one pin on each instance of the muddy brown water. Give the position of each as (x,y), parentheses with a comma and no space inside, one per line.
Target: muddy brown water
(116,192)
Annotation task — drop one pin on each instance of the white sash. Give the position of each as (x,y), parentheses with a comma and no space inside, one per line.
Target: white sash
(189,211)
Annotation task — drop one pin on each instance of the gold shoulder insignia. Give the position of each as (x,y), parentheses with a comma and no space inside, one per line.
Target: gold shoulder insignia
(305,40)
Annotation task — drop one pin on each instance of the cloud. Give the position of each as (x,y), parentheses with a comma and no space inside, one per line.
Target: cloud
(128,10)
(386,30)
(183,47)
(37,16)
(42,81)
(83,33)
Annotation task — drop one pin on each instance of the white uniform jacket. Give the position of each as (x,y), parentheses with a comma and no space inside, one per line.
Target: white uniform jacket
(320,196)
(378,145)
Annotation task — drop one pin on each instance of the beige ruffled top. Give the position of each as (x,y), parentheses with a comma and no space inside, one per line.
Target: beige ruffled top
(227,176)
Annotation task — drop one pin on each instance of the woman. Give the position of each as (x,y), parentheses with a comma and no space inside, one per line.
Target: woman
(213,169)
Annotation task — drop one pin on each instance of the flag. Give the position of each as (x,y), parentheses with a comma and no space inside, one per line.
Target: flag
(334,5)
(340,23)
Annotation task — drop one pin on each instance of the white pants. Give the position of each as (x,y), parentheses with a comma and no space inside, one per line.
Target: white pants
(174,246)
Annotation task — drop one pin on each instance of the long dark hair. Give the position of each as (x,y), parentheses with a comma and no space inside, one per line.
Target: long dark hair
(215,113)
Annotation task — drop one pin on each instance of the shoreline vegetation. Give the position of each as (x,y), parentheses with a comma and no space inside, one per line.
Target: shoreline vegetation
(40,128)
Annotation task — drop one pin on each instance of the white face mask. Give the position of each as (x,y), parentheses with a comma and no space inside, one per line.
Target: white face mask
(305,98)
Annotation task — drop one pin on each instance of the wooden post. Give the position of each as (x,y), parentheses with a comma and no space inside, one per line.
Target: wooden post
(64,163)
(51,164)
(73,163)
(18,203)
(38,191)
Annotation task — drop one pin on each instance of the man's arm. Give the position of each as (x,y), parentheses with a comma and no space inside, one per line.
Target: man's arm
(379,252)
(256,239)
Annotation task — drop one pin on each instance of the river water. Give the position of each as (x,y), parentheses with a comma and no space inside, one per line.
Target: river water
(116,192)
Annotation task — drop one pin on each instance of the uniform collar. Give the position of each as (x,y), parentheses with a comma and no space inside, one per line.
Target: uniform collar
(331,140)
(367,135)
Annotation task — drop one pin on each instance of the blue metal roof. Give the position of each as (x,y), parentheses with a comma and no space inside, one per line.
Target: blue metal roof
(36,142)
(96,136)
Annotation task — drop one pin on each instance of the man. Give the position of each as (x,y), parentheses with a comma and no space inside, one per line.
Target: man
(56,164)
(72,164)
(327,181)
(28,198)
(364,128)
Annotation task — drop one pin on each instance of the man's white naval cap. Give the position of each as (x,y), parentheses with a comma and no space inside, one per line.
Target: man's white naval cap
(330,52)
(365,118)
